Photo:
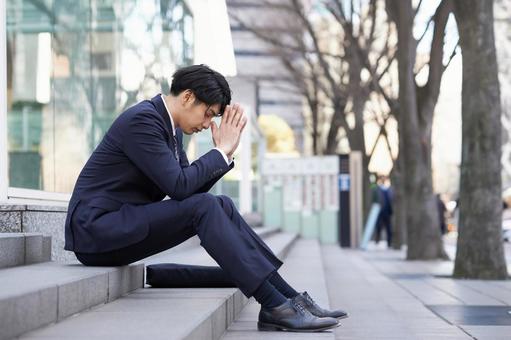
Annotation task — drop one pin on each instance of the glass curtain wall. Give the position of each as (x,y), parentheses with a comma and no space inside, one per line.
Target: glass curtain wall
(72,67)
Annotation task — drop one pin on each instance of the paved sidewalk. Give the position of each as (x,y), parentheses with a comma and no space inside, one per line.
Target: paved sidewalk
(390,298)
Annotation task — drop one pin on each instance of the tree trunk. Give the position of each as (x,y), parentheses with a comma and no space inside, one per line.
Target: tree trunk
(335,124)
(480,252)
(360,96)
(315,131)
(425,238)
(423,235)
(313,101)
(398,205)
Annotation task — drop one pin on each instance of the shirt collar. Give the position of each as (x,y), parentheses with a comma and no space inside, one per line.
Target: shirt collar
(168,112)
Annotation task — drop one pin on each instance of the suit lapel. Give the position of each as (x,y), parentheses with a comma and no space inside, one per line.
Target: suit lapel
(160,107)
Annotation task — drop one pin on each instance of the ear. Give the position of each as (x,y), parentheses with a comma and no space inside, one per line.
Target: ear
(188,98)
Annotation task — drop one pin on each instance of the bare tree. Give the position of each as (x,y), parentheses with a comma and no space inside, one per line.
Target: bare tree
(416,109)
(480,253)
(326,54)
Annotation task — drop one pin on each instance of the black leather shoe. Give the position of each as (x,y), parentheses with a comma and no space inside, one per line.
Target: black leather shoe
(316,310)
(293,317)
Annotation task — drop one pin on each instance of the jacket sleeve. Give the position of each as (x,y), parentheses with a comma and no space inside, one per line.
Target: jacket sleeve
(206,187)
(184,163)
(146,143)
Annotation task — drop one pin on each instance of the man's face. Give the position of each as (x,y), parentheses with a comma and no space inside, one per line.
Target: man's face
(199,117)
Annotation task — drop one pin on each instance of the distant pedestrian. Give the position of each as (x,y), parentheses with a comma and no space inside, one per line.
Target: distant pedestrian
(441,214)
(384,195)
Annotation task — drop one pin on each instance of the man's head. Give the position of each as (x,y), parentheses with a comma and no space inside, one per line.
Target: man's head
(200,95)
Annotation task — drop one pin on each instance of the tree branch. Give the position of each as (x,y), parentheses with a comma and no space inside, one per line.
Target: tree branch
(453,54)
(436,66)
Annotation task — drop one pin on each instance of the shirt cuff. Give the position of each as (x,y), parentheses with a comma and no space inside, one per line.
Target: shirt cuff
(224,156)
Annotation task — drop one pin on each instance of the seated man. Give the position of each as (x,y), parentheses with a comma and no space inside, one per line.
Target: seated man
(117,214)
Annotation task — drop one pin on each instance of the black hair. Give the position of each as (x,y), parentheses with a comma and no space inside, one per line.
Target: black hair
(208,86)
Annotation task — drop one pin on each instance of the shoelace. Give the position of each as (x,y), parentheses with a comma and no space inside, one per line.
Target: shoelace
(299,307)
(308,298)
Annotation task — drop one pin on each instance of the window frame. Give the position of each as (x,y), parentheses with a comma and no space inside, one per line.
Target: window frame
(4,176)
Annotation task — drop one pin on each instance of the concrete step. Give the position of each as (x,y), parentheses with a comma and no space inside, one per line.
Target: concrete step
(303,270)
(35,295)
(154,313)
(17,249)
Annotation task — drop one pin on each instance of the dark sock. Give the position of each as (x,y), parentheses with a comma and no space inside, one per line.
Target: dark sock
(282,286)
(268,296)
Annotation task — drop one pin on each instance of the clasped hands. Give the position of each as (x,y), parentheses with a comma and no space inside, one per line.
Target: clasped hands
(227,136)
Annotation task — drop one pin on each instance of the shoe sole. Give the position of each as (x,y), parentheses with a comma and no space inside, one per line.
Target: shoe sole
(269,327)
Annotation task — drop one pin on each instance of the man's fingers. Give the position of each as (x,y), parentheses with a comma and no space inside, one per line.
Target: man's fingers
(240,116)
(234,113)
(227,114)
(214,132)
(243,123)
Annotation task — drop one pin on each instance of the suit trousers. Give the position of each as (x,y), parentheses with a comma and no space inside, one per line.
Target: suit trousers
(222,231)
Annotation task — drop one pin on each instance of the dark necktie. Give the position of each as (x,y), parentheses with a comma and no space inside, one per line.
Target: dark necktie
(176,153)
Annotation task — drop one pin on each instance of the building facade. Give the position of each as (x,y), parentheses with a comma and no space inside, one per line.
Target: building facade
(69,68)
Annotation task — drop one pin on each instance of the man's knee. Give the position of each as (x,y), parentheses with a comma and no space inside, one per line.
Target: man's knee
(226,200)
(227,204)
(201,204)
(206,203)
(205,200)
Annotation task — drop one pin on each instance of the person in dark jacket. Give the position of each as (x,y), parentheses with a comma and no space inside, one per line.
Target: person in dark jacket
(118,215)
(384,195)
(441,208)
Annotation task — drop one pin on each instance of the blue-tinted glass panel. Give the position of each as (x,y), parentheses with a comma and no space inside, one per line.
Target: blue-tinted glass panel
(72,68)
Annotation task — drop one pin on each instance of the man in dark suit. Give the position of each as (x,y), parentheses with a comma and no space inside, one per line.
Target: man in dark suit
(117,213)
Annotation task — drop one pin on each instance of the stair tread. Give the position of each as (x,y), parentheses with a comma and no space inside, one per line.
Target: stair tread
(146,313)
(172,313)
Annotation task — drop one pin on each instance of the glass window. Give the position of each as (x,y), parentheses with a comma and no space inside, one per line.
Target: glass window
(72,67)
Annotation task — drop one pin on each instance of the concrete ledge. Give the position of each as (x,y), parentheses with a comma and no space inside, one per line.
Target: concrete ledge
(37,248)
(17,249)
(32,207)
(12,216)
(42,219)
(36,295)
(12,250)
(124,280)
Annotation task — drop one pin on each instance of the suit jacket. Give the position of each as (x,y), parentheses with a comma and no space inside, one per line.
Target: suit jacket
(133,165)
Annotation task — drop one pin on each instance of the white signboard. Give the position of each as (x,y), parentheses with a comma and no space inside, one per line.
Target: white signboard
(309,183)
